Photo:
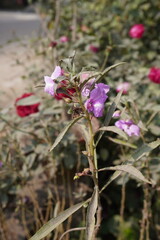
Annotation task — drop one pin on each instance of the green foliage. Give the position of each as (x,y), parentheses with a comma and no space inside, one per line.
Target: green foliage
(25,141)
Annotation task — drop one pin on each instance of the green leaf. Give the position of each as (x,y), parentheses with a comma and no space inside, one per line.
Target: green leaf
(91,211)
(28,101)
(144,149)
(54,222)
(64,131)
(90,77)
(108,69)
(110,114)
(111,179)
(129,169)
(121,142)
(115,130)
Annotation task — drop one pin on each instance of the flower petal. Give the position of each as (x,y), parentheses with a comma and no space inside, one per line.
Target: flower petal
(128,127)
(57,72)
(98,108)
(49,87)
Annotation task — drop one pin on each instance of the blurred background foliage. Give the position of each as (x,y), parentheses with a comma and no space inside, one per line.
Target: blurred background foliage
(36,185)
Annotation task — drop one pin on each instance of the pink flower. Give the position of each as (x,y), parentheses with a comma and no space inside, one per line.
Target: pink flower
(97,98)
(125,86)
(137,31)
(93,48)
(128,127)
(64,39)
(154,75)
(50,85)
(49,81)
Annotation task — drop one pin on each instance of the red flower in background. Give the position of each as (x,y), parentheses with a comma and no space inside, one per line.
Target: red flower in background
(24,111)
(93,48)
(137,31)
(154,75)
(53,44)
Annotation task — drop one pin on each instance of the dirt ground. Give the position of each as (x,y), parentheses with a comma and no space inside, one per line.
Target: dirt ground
(11,82)
(13,53)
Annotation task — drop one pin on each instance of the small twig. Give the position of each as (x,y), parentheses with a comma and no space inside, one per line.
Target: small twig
(24,222)
(57,18)
(74,21)
(123,197)
(18,129)
(151,118)
(71,230)
(3,228)
(70,201)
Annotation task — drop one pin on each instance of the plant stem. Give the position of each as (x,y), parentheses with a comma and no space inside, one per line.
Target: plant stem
(92,156)
(92,160)
(146,213)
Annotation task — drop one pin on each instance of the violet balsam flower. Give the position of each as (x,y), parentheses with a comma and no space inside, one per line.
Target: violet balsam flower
(128,127)
(97,98)
(87,87)
(49,81)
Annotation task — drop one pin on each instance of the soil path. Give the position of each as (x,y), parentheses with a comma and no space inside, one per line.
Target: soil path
(16,29)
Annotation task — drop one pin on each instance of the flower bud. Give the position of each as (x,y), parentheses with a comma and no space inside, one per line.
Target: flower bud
(137,31)
(154,75)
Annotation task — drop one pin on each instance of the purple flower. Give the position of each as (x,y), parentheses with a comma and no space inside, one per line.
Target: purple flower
(87,87)
(49,81)
(97,98)
(128,127)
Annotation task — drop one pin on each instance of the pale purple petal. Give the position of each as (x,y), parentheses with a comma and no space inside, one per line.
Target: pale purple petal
(128,127)
(134,129)
(49,87)
(87,88)
(89,105)
(57,72)
(98,109)
(116,114)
